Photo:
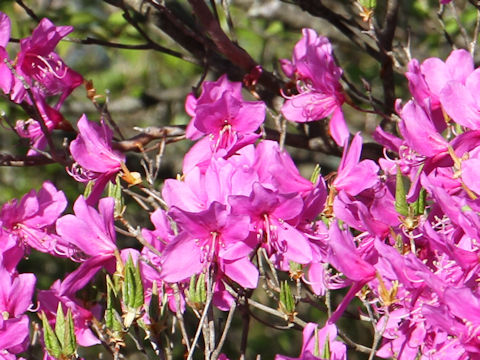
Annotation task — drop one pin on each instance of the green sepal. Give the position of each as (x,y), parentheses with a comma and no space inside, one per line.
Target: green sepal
(133,297)
(287,302)
(113,308)
(88,189)
(315,174)
(368,4)
(69,339)
(52,344)
(115,191)
(401,204)
(154,306)
(132,285)
(326,353)
(60,325)
(197,291)
(201,289)
(419,204)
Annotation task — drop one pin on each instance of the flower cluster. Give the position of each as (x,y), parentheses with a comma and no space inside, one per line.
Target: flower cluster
(400,235)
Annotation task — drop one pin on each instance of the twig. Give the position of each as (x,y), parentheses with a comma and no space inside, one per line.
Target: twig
(223,337)
(459,23)
(29,11)
(179,316)
(473,43)
(199,329)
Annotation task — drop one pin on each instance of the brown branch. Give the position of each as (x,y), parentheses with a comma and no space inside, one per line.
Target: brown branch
(385,41)
(214,50)
(137,143)
(24,161)
(235,54)
(29,11)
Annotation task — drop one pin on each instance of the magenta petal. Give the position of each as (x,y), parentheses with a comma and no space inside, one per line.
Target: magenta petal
(344,257)
(242,271)
(460,64)
(4,29)
(181,260)
(22,289)
(297,246)
(436,74)
(309,106)
(460,105)
(471,174)
(338,127)
(6,77)
(14,332)
(82,276)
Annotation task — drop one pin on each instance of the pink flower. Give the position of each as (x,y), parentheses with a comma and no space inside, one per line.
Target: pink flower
(29,221)
(92,151)
(351,169)
(213,236)
(15,298)
(320,93)
(320,344)
(92,234)
(269,214)
(221,113)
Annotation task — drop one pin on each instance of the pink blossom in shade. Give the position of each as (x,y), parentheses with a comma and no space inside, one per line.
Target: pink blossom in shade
(270,213)
(223,114)
(31,129)
(30,221)
(351,169)
(315,344)
(42,67)
(213,236)
(95,158)
(320,93)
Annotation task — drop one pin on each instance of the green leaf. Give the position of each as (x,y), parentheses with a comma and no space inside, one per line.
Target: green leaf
(51,341)
(401,204)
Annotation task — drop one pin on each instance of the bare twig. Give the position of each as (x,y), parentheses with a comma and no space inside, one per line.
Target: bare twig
(226,328)
(29,11)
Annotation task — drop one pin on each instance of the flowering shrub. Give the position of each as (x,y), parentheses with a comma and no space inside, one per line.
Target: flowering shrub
(398,232)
